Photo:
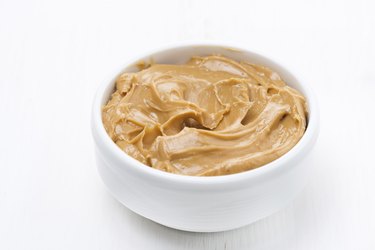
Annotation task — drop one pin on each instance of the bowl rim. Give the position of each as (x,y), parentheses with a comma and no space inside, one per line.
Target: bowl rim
(104,142)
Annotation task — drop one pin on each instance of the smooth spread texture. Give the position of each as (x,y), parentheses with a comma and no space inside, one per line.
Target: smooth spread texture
(210,116)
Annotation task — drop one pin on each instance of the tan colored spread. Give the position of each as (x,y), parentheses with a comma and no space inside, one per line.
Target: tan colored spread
(210,116)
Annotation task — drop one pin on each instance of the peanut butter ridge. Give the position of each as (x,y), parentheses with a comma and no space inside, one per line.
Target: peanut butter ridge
(210,116)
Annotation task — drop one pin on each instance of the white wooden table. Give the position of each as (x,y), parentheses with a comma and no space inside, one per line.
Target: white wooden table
(53,55)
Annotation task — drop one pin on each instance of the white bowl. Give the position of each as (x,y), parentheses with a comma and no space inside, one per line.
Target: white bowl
(203,204)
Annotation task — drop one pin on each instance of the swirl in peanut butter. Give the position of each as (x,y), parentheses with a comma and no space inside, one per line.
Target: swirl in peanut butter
(210,116)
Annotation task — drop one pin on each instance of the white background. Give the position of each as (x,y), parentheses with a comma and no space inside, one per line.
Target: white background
(53,56)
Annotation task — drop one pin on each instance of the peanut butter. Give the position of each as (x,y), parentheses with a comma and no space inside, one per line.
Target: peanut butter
(210,116)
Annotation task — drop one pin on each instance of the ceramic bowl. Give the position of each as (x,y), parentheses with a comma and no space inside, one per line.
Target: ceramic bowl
(204,204)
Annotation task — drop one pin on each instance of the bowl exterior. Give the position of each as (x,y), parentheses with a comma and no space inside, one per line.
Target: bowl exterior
(202,210)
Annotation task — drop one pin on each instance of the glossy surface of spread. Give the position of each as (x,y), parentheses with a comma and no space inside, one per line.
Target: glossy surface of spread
(210,116)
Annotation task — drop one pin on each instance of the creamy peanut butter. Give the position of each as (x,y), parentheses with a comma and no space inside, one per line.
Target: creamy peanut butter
(210,116)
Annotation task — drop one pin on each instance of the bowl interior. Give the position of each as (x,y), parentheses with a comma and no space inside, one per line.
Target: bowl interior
(180,55)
